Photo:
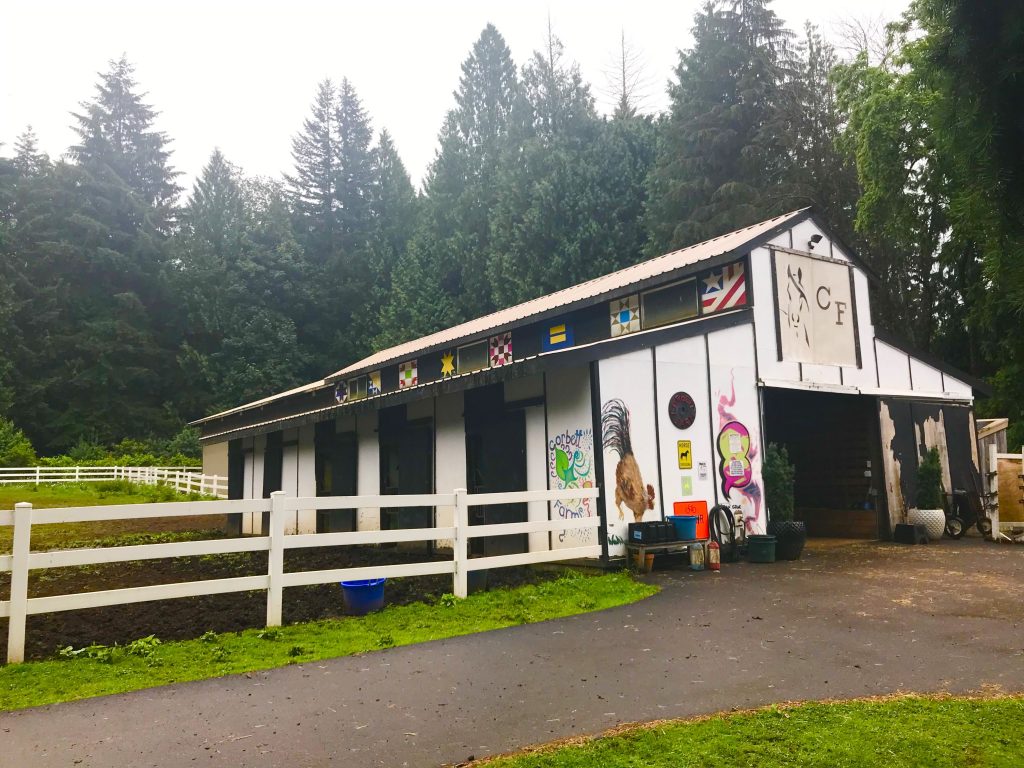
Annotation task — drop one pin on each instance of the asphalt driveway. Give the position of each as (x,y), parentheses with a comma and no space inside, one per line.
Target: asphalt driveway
(850,619)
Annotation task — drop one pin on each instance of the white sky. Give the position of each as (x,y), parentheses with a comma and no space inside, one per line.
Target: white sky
(241,75)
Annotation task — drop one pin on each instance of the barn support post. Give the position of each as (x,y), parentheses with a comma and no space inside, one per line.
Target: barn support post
(19,583)
(461,543)
(276,560)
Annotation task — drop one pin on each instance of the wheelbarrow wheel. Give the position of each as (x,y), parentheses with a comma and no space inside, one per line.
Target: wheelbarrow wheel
(954,527)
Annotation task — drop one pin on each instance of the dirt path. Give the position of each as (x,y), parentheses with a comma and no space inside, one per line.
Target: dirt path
(848,620)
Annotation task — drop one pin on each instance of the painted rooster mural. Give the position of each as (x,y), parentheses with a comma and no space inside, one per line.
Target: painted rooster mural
(629,485)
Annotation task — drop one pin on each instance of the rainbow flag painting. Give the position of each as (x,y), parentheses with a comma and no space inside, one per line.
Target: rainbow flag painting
(557,337)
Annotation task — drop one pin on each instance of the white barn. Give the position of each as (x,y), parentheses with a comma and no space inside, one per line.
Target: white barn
(660,383)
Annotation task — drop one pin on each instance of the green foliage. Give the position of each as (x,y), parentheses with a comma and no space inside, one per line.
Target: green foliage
(893,732)
(15,449)
(779,477)
(46,682)
(127,312)
(929,481)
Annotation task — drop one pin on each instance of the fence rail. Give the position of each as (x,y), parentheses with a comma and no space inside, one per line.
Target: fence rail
(22,560)
(182,479)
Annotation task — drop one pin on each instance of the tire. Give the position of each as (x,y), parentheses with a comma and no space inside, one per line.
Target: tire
(985,526)
(955,527)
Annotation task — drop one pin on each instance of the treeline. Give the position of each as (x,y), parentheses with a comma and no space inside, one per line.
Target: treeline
(129,306)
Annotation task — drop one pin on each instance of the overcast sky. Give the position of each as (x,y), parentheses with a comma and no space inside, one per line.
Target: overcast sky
(241,75)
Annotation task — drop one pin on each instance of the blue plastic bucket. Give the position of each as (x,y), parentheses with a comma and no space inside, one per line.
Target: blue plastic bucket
(686,526)
(363,596)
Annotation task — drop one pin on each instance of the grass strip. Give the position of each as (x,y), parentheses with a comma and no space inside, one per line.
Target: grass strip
(933,731)
(101,670)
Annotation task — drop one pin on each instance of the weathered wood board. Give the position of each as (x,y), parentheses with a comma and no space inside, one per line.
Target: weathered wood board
(1011,489)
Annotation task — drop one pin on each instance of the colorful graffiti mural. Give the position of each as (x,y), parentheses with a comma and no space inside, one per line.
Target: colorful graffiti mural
(629,484)
(571,465)
(737,448)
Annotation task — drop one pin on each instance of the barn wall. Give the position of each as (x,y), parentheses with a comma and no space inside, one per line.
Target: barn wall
(571,459)
(910,428)
(215,459)
(368,481)
(736,423)
(254,447)
(682,367)
(449,453)
(627,387)
(780,372)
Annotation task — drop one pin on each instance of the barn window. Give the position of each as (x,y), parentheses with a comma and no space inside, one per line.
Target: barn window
(669,304)
(473,357)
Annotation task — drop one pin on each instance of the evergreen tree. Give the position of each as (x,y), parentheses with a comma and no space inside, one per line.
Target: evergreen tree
(28,160)
(116,135)
(312,185)
(722,161)
(570,199)
(461,184)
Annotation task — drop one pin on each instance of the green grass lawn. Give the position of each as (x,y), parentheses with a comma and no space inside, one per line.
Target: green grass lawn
(937,732)
(105,532)
(99,670)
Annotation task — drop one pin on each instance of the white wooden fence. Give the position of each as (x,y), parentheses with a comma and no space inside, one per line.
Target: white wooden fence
(182,479)
(22,559)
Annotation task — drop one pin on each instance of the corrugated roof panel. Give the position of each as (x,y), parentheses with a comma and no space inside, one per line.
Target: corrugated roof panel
(637,273)
(599,286)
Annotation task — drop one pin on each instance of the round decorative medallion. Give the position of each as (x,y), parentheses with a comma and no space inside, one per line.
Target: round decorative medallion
(681,410)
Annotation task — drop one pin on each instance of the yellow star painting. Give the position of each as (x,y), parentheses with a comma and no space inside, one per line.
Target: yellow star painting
(448,364)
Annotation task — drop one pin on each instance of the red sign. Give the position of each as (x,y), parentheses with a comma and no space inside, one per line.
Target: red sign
(697,508)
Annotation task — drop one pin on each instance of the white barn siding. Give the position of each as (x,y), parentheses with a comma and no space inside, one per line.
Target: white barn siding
(571,431)
(368,470)
(734,398)
(893,368)
(629,378)
(682,366)
(450,453)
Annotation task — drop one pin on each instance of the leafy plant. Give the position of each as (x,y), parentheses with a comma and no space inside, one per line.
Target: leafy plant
(270,633)
(929,481)
(448,600)
(144,647)
(209,637)
(779,477)
(101,653)
(15,449)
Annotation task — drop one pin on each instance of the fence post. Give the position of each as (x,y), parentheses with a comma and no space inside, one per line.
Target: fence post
(19,583)
(461,544)
(78,471)
(37,474)
(276,559)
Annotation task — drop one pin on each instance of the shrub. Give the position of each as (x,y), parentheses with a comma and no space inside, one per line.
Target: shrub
(929,481)
(15,449)
(779,477)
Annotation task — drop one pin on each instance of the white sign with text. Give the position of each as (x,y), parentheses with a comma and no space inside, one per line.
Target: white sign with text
(815,310)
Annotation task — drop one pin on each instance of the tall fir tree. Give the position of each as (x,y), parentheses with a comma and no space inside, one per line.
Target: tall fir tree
(563,205)
(115,131)
(461,185)
(313,182)
(722,161)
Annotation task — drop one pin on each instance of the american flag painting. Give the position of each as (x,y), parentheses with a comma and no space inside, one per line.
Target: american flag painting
(724,288)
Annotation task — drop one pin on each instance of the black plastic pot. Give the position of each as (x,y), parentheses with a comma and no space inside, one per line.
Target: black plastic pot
(790,537)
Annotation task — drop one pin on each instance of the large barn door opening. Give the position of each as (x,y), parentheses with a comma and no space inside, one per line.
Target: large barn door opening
(495,463)
(406,466)
(336,464)
(833,443)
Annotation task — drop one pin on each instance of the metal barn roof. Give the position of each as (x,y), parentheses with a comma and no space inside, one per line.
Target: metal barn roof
(592,289)
(615,282)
